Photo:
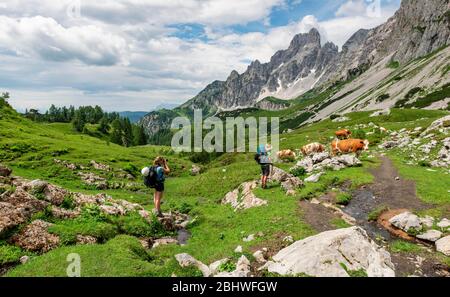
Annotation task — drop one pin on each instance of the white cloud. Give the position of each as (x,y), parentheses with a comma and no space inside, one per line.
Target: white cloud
(352,8)
(47,57)
(43,37)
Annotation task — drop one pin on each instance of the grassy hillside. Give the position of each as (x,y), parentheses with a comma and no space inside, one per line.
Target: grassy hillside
(30,149)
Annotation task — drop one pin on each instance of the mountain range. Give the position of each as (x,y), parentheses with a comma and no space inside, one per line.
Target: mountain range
(404,59)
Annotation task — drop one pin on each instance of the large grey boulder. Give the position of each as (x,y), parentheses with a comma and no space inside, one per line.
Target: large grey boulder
(332,254)
(443,245)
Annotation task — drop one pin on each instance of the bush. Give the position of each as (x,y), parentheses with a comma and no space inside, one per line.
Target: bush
(185,208)
(9,254)
(68,202)
(343,198)
(334,116)
(227,267)
(359,134)
(423,163)
(298,171)
(131,169)
(393,64)
(383,97)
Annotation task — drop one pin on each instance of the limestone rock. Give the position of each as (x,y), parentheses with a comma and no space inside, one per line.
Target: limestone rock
(443,245)
(35,237)
(406,221)
(291,184)
(323,255)
(186,260)
(314,178)
(259,257)
(85,239)
(444,223)
(214,267)
(243,197)
(430,235)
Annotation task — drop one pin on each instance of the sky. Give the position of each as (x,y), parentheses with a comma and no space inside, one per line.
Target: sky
(134,55)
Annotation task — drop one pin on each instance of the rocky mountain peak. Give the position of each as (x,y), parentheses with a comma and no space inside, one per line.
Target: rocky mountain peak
(302,39)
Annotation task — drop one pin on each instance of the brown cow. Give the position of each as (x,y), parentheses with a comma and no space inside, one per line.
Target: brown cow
(312,148)
(343,134)
(286,155)
(349,146)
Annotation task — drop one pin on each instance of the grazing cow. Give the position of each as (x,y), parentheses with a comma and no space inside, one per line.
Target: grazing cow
(312,148)
(286,155)
(343,134)
(349,146)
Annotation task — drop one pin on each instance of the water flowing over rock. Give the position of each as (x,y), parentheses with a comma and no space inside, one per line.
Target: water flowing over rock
(333,254)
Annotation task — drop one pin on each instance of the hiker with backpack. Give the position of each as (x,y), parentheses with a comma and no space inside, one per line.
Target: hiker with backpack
(263,158)
(154,177)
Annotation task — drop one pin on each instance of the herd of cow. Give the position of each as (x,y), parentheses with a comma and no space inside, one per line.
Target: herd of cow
(343,144)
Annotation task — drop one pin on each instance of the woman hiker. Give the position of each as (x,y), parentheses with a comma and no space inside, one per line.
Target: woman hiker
(161,170)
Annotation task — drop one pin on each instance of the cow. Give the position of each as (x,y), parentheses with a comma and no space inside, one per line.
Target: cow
(286,155)
(312,148)
(343,134)
(349,146)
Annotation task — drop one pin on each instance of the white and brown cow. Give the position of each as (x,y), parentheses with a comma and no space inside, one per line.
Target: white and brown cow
(313,148)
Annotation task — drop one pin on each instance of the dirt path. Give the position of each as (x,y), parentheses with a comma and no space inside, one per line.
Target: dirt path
(388,190)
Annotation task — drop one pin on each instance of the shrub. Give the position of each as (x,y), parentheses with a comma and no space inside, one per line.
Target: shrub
(383,97)
(185,208)
(393,64)
(227,267)
(9,254)
(359,134)
(68,202)
(334,116)
(298,171)
(423,163)
(131,169)
(343,198)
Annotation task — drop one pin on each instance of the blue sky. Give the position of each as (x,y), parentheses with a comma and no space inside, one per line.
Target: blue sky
(135,55)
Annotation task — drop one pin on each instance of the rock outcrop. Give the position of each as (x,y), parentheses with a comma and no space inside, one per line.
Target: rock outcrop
(243,197)
(333,254)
